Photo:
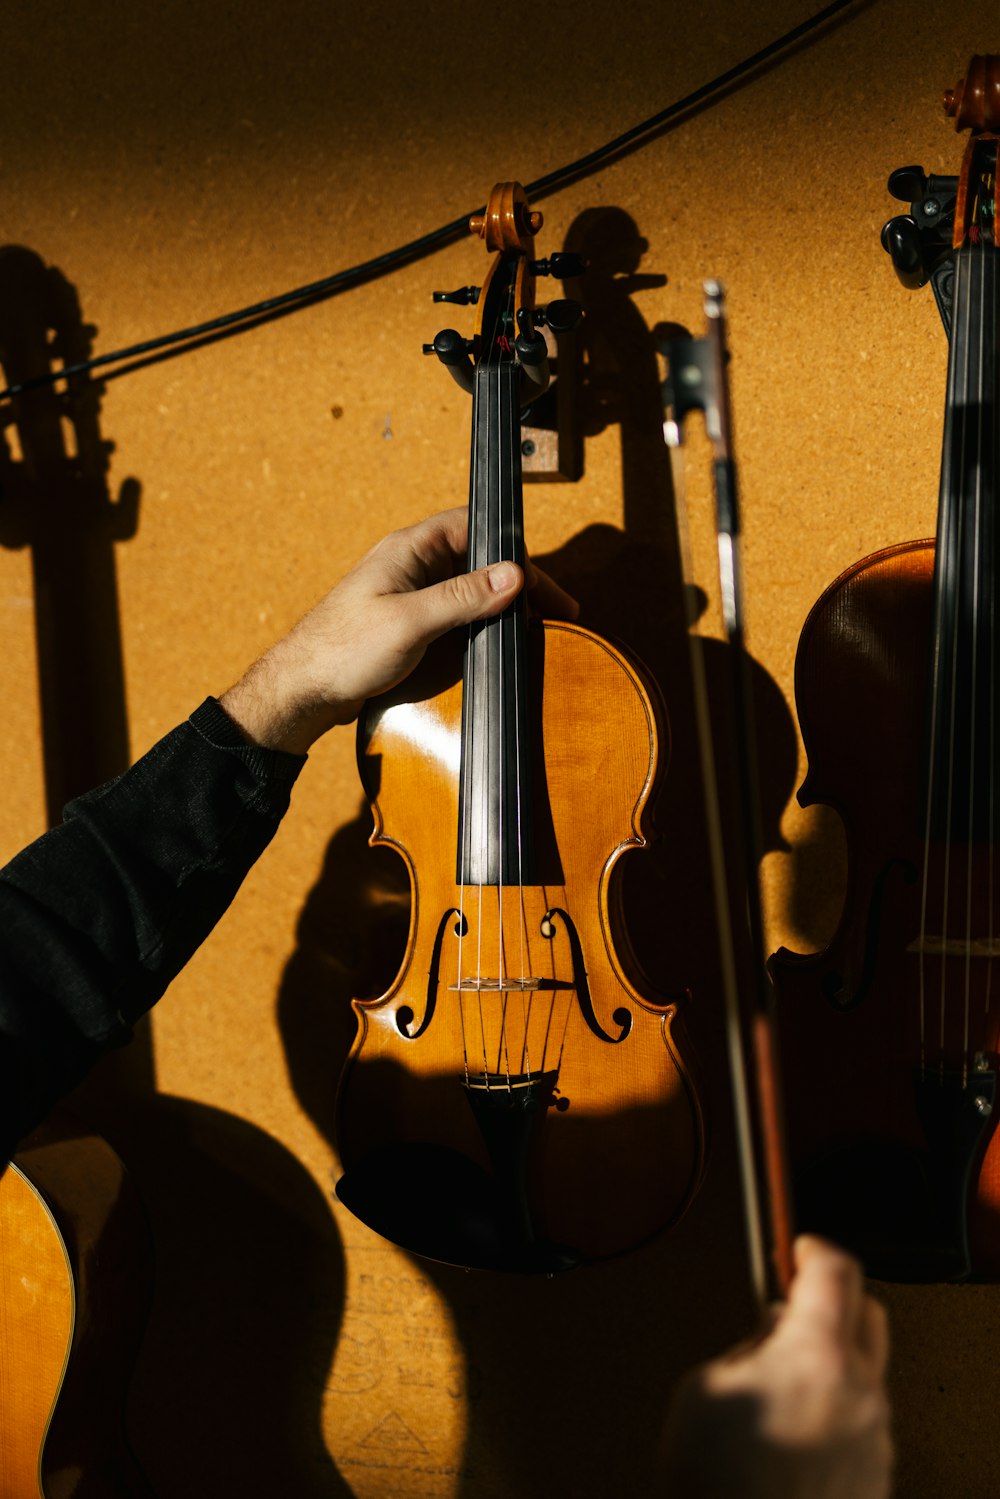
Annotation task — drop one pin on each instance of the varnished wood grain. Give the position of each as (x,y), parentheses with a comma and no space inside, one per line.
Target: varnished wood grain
(37,1315)
(620,1153)
(74,1285)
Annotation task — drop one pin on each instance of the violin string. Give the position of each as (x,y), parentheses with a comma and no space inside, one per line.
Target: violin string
(466,746)
(567,1015)
(991,562)
(974,662)
(479,937)
(547,1020)
(475,743)
(524,1061)
(942,565)
(955,590)
(948,573)
(519,638)
(960,835)
(482,758)
(463,825)
(991,780)
(497,624)
(988,455)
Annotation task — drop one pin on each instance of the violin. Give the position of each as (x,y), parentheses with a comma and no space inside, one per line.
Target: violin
(519,1098)
(891,1034)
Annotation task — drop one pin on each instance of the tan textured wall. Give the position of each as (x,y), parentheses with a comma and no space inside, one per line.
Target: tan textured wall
(173,161)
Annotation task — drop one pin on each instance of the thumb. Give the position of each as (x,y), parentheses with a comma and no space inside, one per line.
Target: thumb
(467,597)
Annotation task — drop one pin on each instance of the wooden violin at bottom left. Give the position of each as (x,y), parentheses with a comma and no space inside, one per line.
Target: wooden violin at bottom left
(75,1282)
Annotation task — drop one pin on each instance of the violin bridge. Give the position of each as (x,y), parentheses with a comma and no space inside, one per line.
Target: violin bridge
(935,946)
(508,985)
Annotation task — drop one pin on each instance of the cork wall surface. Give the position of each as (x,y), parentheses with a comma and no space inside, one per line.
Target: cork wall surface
(164,163)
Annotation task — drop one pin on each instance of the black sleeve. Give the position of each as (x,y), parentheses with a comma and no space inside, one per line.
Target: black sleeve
(99,914)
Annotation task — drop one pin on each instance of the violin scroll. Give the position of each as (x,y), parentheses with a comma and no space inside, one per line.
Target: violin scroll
(507,318)
(509,223)
(974,102)
(948,212)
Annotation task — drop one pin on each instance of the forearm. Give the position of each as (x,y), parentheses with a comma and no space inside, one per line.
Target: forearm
(275,707)
(100,914)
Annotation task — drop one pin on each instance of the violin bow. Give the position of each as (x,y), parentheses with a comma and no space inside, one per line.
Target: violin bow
(697,381)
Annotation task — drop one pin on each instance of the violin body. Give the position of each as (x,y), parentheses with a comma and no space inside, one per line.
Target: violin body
(893,1133)
(75,1284)
(851,1045)
(522,1128)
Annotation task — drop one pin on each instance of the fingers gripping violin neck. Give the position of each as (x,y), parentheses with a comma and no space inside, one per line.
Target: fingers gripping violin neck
(892,1033)
(518,1098)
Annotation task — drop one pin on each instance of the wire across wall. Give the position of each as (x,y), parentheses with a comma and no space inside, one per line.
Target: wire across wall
(183,340)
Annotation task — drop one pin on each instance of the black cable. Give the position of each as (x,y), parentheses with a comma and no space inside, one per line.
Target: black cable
(328,286)
(562,175)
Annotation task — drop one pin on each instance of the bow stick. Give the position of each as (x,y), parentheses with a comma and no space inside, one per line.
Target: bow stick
(697,381)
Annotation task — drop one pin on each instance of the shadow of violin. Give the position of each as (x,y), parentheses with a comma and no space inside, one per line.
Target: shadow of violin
(601,1345)
(227,1393)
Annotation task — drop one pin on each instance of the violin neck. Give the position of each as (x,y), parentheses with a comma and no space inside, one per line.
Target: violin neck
(963,668)
(495,811)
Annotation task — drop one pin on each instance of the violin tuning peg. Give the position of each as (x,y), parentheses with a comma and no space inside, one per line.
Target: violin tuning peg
(565,266)
(464,295)
(901,240)
(562,316)
(908,184)
(453,351)
(531,346)
(449,346)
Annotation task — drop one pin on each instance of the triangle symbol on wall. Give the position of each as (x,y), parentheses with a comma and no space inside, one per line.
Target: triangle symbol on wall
(392,1433)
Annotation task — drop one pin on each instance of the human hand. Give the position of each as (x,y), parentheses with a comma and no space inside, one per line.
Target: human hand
(370,631)
(803,1414)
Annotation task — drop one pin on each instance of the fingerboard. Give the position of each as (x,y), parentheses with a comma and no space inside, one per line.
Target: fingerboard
(963,746)
(495,844)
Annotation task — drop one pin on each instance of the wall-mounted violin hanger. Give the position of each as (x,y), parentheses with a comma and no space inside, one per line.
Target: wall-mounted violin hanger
(546,346)
(921,242)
